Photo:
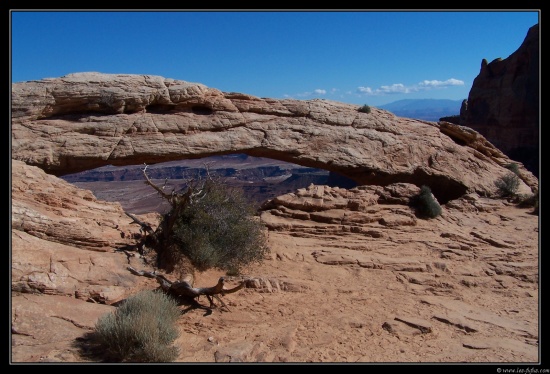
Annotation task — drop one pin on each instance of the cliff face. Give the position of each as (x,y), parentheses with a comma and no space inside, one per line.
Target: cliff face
(503,104)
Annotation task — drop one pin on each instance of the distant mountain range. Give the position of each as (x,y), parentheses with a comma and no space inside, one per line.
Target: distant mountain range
(424,109)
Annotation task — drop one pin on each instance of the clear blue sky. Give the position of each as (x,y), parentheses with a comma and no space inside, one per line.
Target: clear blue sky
(357,57)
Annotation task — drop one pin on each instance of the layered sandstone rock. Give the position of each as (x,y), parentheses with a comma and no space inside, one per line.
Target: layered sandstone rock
(86,120)
(503,104)
(65,241)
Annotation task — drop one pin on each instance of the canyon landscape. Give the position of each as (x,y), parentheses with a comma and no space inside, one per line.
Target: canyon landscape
(353,274)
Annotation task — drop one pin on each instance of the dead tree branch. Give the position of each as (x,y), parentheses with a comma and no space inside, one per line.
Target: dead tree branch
(157,188)
(144,226)
(182,288)
(178,201)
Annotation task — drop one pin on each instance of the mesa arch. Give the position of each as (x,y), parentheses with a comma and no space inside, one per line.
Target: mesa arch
(86,120)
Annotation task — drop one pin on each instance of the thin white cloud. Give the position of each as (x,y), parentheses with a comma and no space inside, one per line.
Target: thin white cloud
(365,90)
(436,83)
(399,88)
(394,88)
(316,92)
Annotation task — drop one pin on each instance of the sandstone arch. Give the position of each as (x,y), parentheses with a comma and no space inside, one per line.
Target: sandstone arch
(86,120)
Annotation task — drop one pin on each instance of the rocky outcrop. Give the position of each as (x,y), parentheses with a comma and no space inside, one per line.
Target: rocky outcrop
(69,253)
(86,120)
(503,104)
(324,209)
(68,236)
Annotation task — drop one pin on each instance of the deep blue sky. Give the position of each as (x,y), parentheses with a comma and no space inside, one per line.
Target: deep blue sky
(358,57)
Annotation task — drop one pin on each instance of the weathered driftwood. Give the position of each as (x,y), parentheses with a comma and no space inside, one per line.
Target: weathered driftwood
(183,288)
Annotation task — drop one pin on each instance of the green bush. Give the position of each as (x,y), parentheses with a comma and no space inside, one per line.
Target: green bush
(513,167)
(425,203)
(532,200)
(365,109)
(220,230)
(507,185)
(536,206)
(141,329)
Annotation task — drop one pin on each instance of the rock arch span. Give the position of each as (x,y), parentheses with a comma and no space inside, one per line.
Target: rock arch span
(85,120)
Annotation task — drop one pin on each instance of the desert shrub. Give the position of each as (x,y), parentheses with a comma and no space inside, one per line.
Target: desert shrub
(141,329)
(507,185)
(365,109)
(513,167)
(219,230)
(425,203)
(536,206)
(531,200)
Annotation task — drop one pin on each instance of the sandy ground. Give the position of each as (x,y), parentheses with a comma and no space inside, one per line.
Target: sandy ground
(419,302)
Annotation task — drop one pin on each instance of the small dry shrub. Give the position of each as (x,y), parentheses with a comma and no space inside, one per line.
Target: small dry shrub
(513,167)
(365,109)
(532,200)
(141,329)
(507,185)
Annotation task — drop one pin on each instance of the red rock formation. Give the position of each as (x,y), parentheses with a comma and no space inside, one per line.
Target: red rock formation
(503,104)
